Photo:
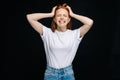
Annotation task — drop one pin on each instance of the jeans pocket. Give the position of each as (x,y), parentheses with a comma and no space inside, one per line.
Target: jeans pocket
(70,75)
(49,75)
(48,72)
(70,72)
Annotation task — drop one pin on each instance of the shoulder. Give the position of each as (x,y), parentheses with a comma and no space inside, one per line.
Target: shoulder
(77,30)
(47,29)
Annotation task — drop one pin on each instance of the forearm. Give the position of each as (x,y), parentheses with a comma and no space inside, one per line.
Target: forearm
(85,20)
(37,16)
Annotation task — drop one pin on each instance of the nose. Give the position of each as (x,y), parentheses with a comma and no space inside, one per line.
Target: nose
(61,17)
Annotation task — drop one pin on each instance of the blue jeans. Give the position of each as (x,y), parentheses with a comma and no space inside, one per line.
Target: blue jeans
(59,74)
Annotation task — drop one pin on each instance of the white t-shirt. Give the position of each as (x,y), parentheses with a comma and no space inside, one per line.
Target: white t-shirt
(60,47)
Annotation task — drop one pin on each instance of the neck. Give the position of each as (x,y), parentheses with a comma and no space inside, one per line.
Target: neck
(63,29)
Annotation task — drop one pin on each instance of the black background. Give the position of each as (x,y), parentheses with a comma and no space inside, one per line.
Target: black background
(97,57)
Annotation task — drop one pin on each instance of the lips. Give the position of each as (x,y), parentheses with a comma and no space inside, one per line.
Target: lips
(62,21)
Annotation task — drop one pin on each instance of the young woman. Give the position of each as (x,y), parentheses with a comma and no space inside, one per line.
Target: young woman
(60,42)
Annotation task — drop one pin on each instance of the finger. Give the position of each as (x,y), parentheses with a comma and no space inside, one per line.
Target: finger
(54,7)
(69,7)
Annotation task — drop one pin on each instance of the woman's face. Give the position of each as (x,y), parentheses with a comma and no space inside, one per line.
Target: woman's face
(62,18)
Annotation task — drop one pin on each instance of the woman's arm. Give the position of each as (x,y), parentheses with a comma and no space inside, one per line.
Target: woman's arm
(87,22)
(34,17)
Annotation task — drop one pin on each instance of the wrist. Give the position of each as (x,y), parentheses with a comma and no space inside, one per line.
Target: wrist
(72,14)
(51,14)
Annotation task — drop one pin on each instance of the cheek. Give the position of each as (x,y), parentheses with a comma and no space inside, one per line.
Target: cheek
(68,19)
(56,18)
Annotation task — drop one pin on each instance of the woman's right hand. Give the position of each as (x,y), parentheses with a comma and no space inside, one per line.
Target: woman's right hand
(53,11)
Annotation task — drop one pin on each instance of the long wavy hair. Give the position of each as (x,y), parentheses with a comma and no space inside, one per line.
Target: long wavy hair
(53,24)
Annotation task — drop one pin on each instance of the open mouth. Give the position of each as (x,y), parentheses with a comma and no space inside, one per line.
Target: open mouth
(62,22)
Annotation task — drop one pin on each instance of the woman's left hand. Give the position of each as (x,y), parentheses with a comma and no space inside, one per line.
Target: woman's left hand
(71,12)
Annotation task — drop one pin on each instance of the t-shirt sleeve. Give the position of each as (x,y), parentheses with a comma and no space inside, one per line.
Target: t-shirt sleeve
(46,32)
(77,34)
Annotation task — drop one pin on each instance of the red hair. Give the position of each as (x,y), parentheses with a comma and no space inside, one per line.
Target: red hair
(53,24)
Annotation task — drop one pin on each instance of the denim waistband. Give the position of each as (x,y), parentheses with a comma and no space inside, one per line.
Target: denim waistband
(59,70)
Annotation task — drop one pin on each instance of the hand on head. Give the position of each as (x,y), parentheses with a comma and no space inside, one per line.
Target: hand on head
(71,12)
(53,10)
(67,6)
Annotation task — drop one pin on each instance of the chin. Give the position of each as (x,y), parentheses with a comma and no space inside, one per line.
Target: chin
(62,26)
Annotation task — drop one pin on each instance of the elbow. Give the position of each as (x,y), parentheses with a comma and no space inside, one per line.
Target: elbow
(31,17)
(91,22)
(28,16)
